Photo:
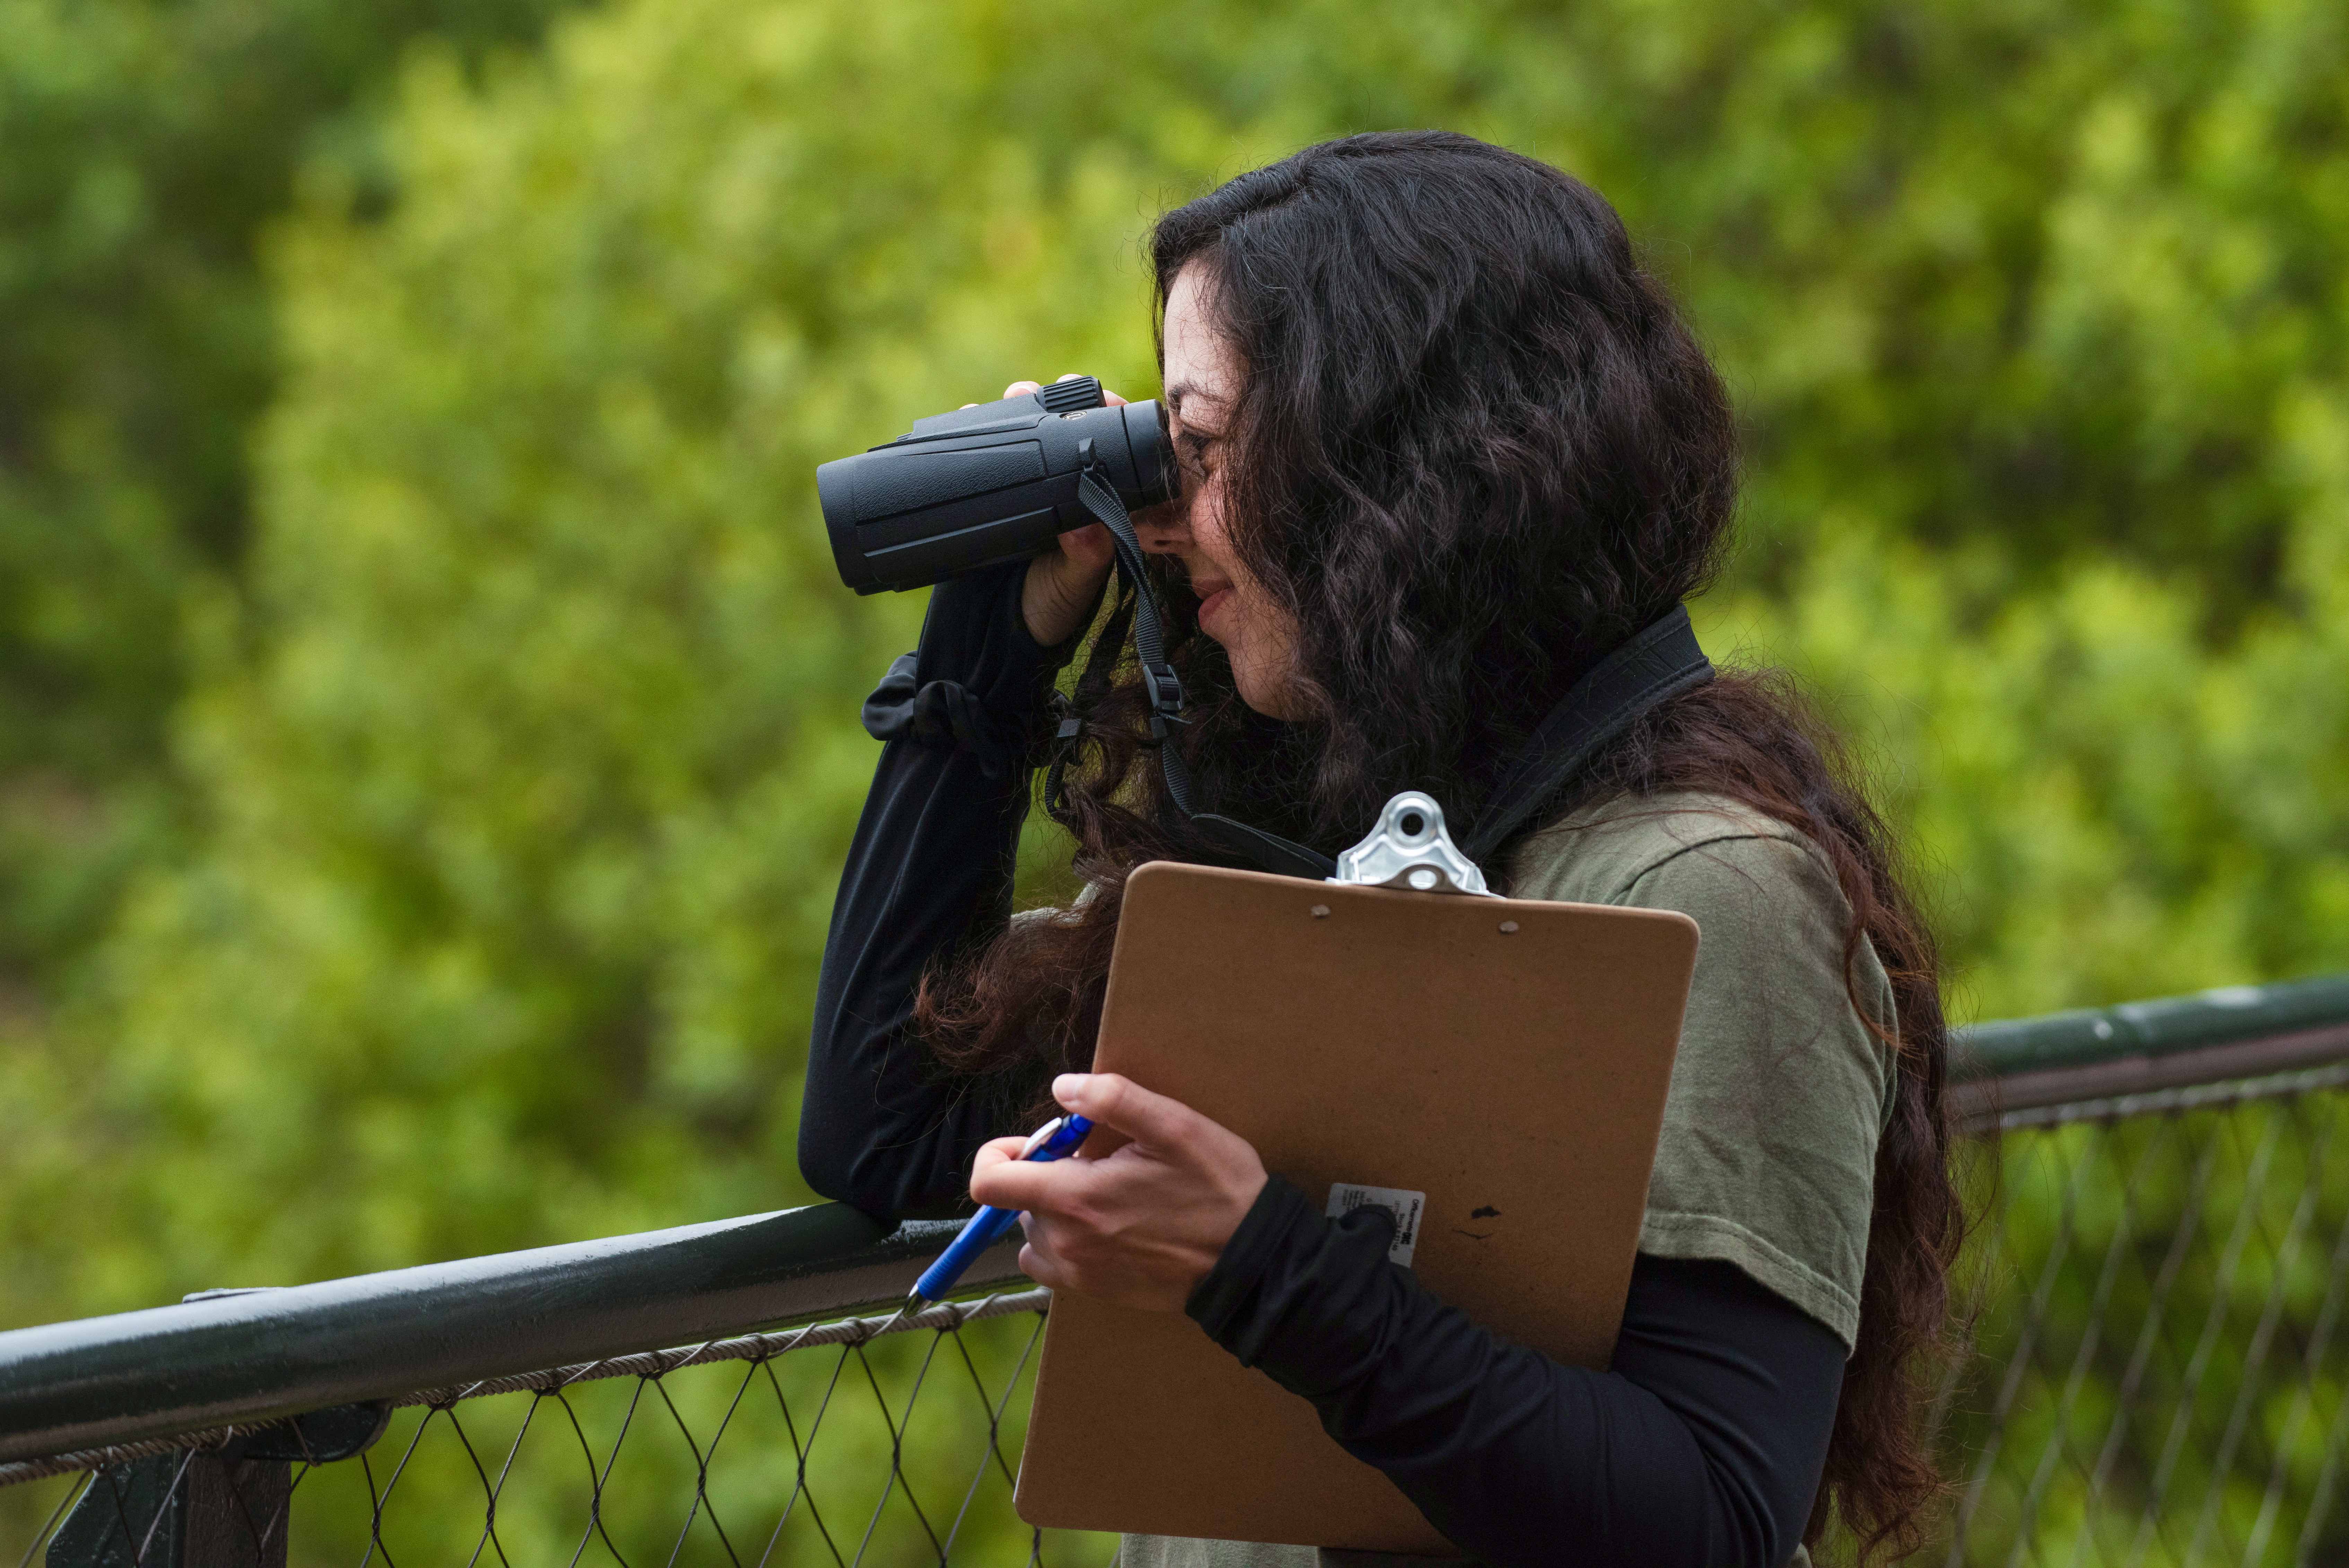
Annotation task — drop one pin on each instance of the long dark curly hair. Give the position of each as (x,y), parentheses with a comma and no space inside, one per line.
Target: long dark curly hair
(1474,449)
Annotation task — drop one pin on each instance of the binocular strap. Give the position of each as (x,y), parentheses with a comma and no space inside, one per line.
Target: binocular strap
(1659,662)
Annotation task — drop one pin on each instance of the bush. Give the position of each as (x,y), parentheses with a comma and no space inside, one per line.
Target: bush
(526,763)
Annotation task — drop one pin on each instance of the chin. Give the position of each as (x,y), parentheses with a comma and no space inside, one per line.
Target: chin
(1270,698)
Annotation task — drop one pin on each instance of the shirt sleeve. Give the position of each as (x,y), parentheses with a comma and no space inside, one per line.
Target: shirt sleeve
(1767,1155)
(1701,1445)
(929,874)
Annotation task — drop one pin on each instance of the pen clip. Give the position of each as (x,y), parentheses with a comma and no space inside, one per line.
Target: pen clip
(1038,1139)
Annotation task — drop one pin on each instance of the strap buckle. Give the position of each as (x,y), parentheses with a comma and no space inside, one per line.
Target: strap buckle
(1164,689)
(1071,724)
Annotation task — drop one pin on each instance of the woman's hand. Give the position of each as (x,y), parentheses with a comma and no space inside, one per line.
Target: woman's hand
(1138,1227)
(1063,588)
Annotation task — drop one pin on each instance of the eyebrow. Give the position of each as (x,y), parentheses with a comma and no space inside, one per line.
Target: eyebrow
(1176,393)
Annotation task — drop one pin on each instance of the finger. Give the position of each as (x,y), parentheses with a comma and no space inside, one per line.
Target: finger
(1088,547)
(1026,1184)
(1116,1101)
(1109,398)
(997,1151)
(1048,1245)
(1040,1263)
(1021,388)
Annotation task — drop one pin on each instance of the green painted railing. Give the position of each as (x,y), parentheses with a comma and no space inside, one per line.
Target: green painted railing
(167,1430)
(2091,1036)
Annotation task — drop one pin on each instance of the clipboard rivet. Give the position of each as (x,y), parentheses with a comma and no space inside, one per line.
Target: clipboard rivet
(1508,927)
(1320,911)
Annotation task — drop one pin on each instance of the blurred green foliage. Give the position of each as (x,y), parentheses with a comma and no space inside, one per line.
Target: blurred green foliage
(148,143)
(2160,1304)
(513,728)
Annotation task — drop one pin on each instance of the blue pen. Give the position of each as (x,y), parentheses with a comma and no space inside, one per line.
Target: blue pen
(1056,1140)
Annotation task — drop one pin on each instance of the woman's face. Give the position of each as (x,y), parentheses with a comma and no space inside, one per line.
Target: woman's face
(1203,379)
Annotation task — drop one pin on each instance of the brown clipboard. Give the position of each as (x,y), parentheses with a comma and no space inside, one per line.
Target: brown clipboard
(1507,1058)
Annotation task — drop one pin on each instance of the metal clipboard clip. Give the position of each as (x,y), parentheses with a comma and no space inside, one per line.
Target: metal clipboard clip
(1410,849)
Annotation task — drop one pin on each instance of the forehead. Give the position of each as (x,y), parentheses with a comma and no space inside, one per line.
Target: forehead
(1202,371)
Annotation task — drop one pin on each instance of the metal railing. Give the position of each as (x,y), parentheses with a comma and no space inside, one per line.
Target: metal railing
(2156,1371)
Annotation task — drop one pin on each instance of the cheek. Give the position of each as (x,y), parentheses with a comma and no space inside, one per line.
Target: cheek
(1215,542)
(1256,632)
(1205,516)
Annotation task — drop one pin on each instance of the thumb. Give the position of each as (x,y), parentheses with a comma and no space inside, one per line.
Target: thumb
(1124,1106)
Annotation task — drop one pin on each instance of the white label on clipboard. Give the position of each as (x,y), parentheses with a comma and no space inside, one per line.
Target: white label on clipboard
(1345,1197)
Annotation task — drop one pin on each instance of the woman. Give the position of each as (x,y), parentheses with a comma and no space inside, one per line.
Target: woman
(1443,446)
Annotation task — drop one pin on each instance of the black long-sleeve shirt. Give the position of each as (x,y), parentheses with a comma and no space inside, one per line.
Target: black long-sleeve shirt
(1701,1444)
(928,870)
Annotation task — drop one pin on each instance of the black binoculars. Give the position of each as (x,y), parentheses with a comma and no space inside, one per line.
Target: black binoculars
(992,482)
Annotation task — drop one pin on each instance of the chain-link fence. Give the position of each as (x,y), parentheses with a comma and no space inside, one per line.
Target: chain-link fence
(874,1441)
(2160,1373)
(2157,1376)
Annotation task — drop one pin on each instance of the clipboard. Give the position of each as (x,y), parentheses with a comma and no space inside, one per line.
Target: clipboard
(1509,1059)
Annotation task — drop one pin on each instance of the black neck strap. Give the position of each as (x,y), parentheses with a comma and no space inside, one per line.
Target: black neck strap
(1268,851)
(1659,662)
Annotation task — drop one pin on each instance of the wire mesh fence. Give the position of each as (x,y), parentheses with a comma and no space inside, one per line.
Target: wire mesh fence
(2158,1376)
(2159,1373)
(856,1441)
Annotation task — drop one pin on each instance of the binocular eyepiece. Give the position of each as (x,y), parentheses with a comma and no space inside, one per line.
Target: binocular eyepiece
(987,483)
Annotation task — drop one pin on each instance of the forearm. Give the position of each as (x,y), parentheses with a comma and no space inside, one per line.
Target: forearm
(1702,1445)
(929,874)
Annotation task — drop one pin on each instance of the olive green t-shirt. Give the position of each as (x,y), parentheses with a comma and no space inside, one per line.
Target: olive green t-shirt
(1768,1150)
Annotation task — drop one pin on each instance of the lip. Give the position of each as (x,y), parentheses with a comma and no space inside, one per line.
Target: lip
(1211,603)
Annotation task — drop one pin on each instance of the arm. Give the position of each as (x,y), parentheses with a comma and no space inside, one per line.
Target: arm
(1701,1445)
(928,872)
(1706,1439)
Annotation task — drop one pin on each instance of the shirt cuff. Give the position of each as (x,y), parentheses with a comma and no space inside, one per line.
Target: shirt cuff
(976,636)
(1305,1298)
(978,681)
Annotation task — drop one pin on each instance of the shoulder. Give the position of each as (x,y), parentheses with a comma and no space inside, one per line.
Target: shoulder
(1764,896)
(1607,852)
(1780,1086)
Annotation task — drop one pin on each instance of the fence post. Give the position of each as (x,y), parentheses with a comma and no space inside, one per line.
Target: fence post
(129,1514)
(222,1508)
(185,1509)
